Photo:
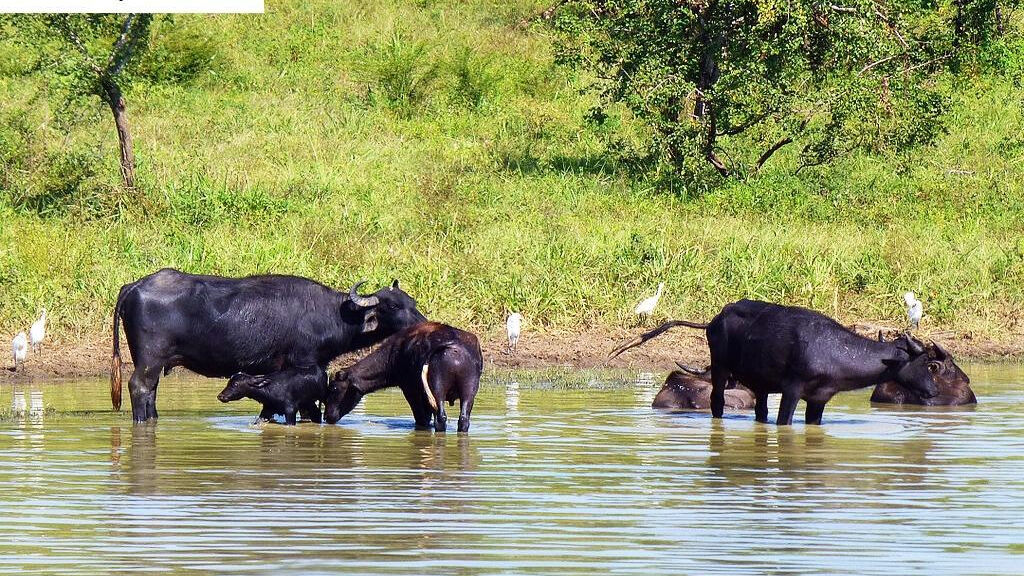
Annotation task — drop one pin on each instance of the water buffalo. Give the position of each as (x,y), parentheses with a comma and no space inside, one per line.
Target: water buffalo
(690,389)
(283,392)
(431,363)
(218,326)
(954,385)
(799,353)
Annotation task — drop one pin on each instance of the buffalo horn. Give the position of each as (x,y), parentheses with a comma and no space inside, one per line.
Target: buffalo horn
(914,346)
(690,369)
(361,301)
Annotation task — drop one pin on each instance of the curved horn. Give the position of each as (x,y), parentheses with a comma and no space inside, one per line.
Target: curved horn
(941,353)
(881,338)
(914,346)
(692,370)
(361,301)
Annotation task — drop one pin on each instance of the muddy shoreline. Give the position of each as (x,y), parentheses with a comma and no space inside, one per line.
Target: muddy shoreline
(584,349)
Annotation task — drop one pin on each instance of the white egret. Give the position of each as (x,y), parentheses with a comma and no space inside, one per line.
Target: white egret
(646,307)
(19,349)
(513,326)
(914,309)
(37,332)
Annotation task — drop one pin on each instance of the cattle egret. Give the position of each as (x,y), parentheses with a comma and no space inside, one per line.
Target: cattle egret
(914,309)
(37,332)
(19,349)
(514,326)
(646,307)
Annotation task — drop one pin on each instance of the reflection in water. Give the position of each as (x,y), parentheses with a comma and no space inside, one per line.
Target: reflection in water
(644,388)
(553,480)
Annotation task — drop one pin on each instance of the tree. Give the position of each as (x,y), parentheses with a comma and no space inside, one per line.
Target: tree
(767,73)
(94,55)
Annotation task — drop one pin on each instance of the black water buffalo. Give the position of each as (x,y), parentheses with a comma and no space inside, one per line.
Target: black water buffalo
(218,326)
(283,392)
(799,353)
(432,363)
(954,386)
(690,389)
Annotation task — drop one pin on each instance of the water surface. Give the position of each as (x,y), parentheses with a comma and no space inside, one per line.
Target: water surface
(563,473)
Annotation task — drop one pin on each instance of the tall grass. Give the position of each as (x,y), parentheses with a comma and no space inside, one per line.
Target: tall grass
(438,143)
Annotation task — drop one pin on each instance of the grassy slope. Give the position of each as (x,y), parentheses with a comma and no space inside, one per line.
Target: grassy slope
(283,157)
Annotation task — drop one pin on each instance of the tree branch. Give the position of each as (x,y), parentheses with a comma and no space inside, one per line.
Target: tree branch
(119,43)
(768,153)
(65,25)
(742,127)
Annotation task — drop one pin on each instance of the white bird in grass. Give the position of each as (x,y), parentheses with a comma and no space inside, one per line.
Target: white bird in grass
(646,307)
(19,349)
(914,309)
(514,325)
(37,332)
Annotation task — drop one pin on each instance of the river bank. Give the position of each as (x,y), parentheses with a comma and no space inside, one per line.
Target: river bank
(582,349)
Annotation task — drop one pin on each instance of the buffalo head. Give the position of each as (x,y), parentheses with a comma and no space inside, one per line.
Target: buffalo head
(239,385)
(917,367)
(342,397)
(945,372)
(384,312)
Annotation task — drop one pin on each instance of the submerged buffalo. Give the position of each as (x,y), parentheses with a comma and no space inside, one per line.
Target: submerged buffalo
(801,354)
(284,392)
(690,389)
(954,387)
(218,326)
(432,363)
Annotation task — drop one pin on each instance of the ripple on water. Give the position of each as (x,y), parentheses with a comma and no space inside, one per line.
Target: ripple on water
(552,480)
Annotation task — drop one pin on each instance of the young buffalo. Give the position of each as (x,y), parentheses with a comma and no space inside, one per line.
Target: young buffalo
(431,363)
(690,389)
(285,392)
(954,386)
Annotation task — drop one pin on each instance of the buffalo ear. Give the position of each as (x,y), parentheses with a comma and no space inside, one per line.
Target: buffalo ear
(258,381)
(370,321)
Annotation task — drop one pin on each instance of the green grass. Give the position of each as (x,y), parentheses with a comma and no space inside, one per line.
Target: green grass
(437,142)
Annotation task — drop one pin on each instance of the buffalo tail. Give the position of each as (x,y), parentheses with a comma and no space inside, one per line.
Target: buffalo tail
(657,331)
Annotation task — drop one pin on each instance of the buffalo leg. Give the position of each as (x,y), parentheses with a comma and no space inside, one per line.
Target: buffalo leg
(465,408)
(761,407)
(289,415)
(418,404)
(311,411)
(719,380)
(267,413)
(787,406)
(814,412)
(142,387)
(440,418)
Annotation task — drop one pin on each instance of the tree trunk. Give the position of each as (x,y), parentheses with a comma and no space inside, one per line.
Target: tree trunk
(115,100)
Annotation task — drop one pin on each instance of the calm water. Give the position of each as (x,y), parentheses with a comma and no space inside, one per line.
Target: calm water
(570,474)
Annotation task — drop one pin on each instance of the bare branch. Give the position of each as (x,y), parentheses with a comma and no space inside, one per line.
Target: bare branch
(120,42)
(878,62)
(133,34)
(768,153)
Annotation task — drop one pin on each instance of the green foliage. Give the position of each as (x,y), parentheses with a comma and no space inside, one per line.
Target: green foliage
(733,82)
(400,73)
(272,161)
(179,54)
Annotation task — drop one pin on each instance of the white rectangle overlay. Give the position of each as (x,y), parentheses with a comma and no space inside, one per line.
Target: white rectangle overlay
(132,6)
